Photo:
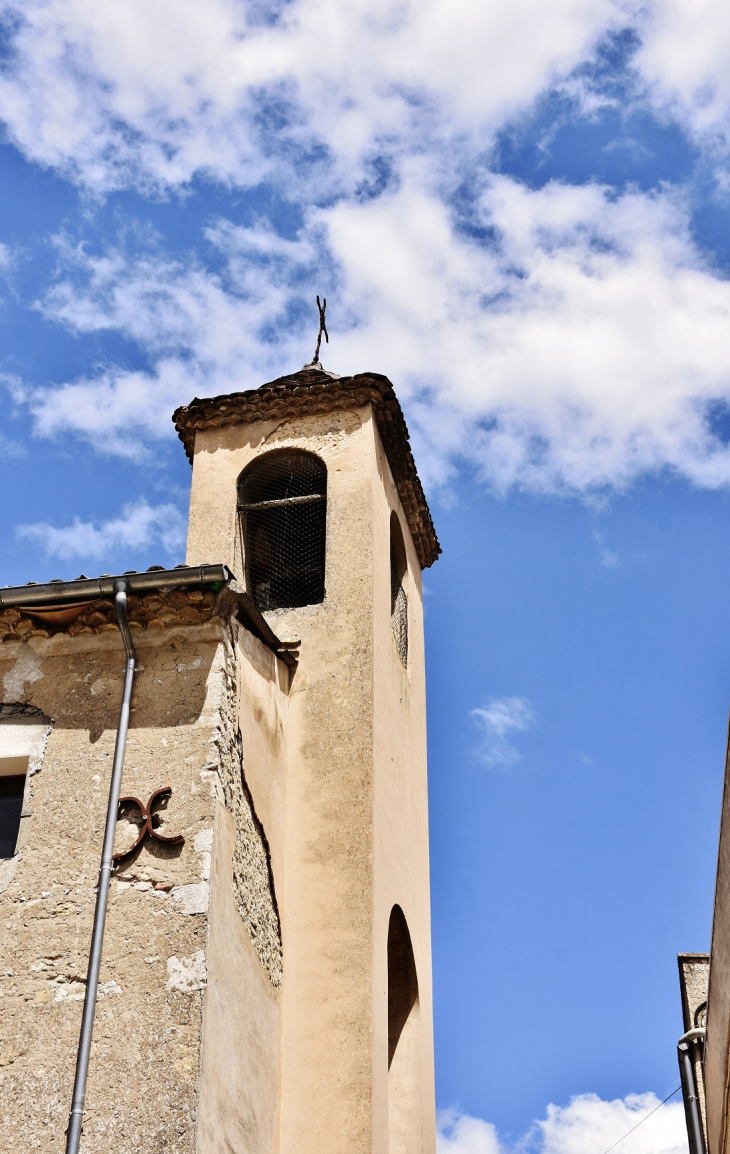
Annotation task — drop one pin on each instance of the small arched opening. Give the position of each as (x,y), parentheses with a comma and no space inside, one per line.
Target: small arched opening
(405,1124)
(398,595)
(282,505)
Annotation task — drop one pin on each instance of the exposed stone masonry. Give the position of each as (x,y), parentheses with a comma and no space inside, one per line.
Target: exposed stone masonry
(253,883)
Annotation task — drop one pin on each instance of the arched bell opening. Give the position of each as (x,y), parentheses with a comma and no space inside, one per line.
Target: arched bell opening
(282,506)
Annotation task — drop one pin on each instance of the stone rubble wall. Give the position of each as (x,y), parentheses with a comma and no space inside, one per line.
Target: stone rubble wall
(142,1090)
(253,880)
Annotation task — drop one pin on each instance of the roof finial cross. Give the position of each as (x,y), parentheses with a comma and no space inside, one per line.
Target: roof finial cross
(322,329)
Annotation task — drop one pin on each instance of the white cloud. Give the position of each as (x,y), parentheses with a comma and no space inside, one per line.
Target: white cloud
(201,329)
(462,1134)
(587,1125)
(582,348)
(138,526)
(685,59)
(150,94)
(499,719)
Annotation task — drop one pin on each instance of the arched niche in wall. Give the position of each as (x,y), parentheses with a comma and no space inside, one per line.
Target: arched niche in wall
(405,1121)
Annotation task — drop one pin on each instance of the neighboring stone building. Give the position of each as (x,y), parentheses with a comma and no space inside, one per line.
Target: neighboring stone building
(265,982)
(704,1049)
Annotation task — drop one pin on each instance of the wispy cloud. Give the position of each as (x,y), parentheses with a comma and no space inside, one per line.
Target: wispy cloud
(562,339)
(587,1125)
(583,346)
(139,525)
(607,557)
(499,719)
(462,1134)
(150,95)
(10,447)
(684,57)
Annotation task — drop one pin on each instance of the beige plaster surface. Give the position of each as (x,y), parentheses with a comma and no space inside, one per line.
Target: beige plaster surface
(405,1079)
(355,835)
(717,1050)
(239,1081)
(400,823)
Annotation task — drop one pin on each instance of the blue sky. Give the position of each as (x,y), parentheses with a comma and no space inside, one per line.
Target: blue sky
(519,212)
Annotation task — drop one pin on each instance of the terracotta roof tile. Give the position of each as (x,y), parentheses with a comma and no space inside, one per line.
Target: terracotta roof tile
(162,608)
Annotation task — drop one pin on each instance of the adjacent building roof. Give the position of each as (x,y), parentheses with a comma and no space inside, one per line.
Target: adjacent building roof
(311,391)
(157,598)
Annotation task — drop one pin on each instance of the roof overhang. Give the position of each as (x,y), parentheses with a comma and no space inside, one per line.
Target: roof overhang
(56,593)
(313,391)
(58,604)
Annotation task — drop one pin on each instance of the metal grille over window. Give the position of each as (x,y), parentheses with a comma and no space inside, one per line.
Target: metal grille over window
(283,508)
(398,597)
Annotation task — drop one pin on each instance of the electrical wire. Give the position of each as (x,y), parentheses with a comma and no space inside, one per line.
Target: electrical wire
(644,1119)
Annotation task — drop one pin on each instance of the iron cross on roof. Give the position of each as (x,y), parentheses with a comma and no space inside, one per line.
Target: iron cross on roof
(322,328)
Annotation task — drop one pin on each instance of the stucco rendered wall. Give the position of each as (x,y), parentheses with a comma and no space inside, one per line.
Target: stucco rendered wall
(400,828)
(717,1049)
(355,836)
(145,1069)
(240,1064)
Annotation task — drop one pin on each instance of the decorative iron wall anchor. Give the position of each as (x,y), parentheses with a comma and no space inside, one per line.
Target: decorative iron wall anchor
(147,827)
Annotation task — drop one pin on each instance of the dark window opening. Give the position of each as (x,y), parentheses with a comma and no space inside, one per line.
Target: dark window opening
(11,808)
(282,501)
(398,597)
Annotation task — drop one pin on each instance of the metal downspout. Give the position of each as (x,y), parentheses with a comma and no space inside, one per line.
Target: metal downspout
(685,1054)
(76,1115)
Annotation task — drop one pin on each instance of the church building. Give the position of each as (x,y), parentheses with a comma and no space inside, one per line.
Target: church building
(250,970)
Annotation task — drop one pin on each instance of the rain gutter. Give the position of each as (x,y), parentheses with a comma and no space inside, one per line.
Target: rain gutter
(76,1116)
(90,589)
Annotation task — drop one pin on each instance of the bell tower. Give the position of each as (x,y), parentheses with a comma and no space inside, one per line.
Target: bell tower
(307,489)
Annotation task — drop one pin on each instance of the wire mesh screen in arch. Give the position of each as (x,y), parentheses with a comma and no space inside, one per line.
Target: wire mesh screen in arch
(282,503)
(398,597)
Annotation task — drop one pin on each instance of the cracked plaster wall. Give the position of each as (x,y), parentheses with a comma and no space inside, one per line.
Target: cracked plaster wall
(145,1065)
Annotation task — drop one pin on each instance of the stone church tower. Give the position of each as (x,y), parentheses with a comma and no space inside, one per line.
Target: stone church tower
(265,980)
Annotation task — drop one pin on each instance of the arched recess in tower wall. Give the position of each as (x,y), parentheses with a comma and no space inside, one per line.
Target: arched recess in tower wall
(405,1122)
